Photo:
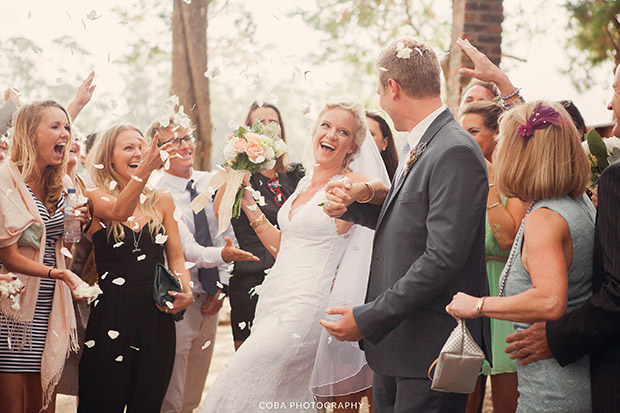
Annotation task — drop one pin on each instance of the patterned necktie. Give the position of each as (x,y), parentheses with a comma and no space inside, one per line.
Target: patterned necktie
(207,276)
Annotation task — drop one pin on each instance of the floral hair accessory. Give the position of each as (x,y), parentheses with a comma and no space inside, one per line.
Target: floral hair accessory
(541,118)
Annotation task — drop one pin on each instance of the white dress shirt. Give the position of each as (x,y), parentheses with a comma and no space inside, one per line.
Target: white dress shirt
(203,257)
(414,137)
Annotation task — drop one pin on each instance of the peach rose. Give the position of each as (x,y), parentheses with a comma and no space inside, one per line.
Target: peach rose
(239,145)
(252,137)
(255,152)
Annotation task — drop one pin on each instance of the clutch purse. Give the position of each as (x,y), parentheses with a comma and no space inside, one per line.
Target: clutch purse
(163,282)
(459,362)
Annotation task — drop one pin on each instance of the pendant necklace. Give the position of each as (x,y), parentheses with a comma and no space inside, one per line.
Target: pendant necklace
(136,248)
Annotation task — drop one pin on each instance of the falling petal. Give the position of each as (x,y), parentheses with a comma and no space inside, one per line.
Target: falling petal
(206,344)
(89,343)
(169,305)
(252,207)
(142,198)
(213,72)
(221,296)
(382,69)
(230,268)
(112,185)
(131,218)
(113,334)
(92,15)
(305,108)
(136,226)
(191,284)
(177,214)
(261,201)
(267,271)
(135,348)
(64,251)
(189,265)
(330,339)
(404,53)
(118,244)
(105,274)
(119,359)
(136,178)
(295,336)
(82,199)
(98,166)
(55,333)
(161,239)
(105,198)
(167,164)
(273,248)
(164,155)
(118,281)
(141,257)
(242,325)
(102,224)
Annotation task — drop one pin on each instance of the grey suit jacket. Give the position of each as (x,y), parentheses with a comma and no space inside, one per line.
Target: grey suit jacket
(428,245)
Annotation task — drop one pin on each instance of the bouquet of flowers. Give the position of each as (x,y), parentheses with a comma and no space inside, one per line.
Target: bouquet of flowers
(12,290)
(602,152)
(248,150)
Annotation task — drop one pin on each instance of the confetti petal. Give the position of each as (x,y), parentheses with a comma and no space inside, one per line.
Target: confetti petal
(118,281)
(105,198)
(89,343)
(131,218)
(221,296)
(177,214)
(118,244)
(113,334)
(206,344)
(137,178)
(164,155)
(161,239)
(169,305)
(64,251)
(189,265)
(242,325)
(105,274)
(119,359)
(98,166)
(135,348)
(141,257)
(112,185)
(142,198)
(330,339)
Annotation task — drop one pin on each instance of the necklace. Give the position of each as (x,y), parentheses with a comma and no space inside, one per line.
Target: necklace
(513,251)
(136,242)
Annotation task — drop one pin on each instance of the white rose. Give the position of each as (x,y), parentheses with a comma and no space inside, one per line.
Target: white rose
(269,153)
(229,152)
(268,165)
(280,147)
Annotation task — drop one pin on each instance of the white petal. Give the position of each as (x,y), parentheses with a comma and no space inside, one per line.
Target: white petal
(141,257)
(164,155)
(161,239)
(242,325)
(135,348)
(206,344)
(118,281)
(191,284)
(89,343)
(105,198)
(329,339)
(219,285)
(102,224)
(112,185)
(221,296)
(64,251)
(295,336)
(119,359)
(118,244)
(252,207)
(105,274)
(142,198)
(189,265)
(177,214)
(167,164)
(131,218)
(169,305)
(98,166)
(113,334)
(136,178)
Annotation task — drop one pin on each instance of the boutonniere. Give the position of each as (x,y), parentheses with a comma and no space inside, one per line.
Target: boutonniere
(414,155)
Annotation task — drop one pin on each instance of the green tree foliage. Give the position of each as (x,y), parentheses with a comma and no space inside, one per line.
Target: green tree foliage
(595,37)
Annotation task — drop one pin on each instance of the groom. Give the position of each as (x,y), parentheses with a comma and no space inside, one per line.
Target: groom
(429,239)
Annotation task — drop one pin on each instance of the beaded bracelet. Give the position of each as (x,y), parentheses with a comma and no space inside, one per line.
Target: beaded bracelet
(516,92)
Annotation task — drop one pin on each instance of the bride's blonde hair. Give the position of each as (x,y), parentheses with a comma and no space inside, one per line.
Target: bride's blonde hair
(103,178)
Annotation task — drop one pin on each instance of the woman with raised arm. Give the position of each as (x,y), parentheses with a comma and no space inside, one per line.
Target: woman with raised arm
(549,269)
(275,363)
(130,341)
(37,335)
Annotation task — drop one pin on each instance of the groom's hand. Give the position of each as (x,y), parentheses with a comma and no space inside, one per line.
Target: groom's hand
(344,329)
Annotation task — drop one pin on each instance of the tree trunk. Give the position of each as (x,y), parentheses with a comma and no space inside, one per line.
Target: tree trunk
(189,63)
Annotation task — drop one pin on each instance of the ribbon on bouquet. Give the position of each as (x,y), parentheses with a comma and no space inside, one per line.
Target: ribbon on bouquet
(233,179)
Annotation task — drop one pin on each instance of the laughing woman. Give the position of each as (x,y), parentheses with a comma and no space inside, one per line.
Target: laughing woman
(130,342)
(36,338)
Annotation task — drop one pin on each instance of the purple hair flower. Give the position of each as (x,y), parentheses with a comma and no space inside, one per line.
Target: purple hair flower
(541,118)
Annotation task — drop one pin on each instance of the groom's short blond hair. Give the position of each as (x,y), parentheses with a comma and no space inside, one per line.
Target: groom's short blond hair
(417,71)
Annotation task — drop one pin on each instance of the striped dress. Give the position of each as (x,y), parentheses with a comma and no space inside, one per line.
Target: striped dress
(28,359)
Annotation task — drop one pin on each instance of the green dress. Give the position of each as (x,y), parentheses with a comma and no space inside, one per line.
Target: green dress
(500,329)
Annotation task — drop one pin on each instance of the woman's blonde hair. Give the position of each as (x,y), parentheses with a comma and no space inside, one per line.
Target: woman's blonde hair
(24,151)
(102,178)
(548,164)
(358,112)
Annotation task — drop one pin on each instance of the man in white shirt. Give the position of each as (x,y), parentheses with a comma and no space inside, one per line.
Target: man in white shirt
(195,334)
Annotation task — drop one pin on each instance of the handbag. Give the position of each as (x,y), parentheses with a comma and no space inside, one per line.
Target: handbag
(163,282)
(459,362)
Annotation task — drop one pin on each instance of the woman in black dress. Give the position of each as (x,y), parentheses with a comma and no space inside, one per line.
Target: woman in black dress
(275,186)
(130,342)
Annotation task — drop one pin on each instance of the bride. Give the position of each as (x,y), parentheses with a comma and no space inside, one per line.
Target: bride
(273,368)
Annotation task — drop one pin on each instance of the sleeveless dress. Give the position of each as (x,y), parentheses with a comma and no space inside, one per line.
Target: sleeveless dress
(134,367)
(272,369)
(500,329)
(545,386)
(28,358)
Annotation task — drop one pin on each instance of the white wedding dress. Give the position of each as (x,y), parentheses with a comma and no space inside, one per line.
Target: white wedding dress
(274,365)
